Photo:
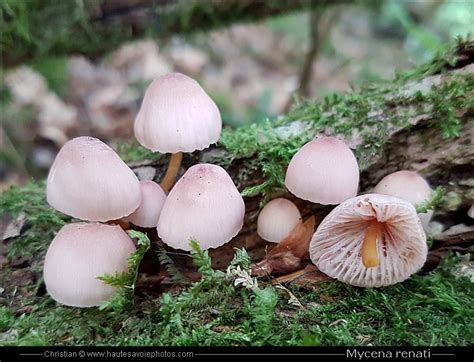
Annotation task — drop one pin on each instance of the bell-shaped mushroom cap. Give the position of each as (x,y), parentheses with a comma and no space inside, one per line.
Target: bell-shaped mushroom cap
(177,115)
(204,205)
(323,171)
(89,181)
(277,219)
(407,185)
(153,199)
(401,242)
(79,254)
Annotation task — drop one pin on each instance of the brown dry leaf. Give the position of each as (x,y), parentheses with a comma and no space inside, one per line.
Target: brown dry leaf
(457,235)
(307,276)
(457,238)
(289,254)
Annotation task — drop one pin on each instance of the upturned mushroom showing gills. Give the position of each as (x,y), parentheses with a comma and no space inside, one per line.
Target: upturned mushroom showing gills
(204,205)
(370,241)
(323,171)
(277,219)
(177,116)
(153,199)
(78,255)
(407,185)
(89,181)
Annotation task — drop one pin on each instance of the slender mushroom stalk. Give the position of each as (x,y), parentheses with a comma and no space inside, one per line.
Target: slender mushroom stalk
(172,171)
(176,116)
(369,252)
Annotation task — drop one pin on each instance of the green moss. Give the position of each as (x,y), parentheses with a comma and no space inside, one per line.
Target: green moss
(131,151)
(435,309)
(42,221)
(369,114)
(425,310)
(446,58)
(123,298)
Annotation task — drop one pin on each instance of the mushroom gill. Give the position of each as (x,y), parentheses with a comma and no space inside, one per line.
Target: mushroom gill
(370,241)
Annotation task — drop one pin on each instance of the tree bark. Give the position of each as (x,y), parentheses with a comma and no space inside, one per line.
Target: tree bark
(93,27)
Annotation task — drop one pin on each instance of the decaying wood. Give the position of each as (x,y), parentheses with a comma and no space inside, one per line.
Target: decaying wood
(96,26)
(418,146)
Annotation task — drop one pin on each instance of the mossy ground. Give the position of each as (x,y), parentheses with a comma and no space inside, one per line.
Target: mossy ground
(433,309)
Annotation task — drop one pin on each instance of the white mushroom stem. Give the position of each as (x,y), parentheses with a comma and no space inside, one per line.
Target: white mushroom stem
(172,171)
(369,253)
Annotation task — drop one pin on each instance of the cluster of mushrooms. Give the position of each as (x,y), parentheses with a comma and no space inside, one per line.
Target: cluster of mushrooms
(370,240)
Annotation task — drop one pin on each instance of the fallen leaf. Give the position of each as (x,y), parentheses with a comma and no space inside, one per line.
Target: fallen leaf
(14,227)
(307,276)
(289,254)
(457,235)
(27,309)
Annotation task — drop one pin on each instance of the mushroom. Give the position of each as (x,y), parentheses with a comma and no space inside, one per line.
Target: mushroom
(277,219)
(89,181)
(204,205)
(323,171)
(79,254)
(176,116)
(370,241)
(409,186)
(153,199)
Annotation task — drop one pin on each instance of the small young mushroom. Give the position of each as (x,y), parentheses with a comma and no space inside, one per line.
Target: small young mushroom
(79,254)
(89,181)
(277,219)
(323,171)
(204,205)
(370,241)
(177,116)
(153,199)
(409,186)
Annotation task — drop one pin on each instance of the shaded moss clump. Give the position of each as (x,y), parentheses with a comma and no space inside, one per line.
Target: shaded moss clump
(424,310)
(41,223)
(367,115)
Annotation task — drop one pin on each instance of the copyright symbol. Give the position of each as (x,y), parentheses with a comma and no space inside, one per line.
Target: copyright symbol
(82,354)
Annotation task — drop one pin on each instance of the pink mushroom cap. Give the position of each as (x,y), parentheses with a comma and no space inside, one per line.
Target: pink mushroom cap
(79,254)
(177,115)
(277,219)
(89,181)
(401,244)
(153,199)
(203,205)
(323,171)
(409,186)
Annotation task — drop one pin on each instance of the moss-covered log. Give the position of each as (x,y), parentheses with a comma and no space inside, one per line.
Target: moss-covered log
(422,121)
(32,28)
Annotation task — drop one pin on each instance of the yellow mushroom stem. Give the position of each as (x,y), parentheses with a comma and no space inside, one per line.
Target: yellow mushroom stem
(172,171)
(369,253)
